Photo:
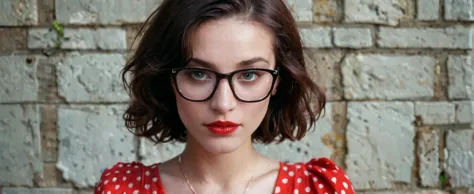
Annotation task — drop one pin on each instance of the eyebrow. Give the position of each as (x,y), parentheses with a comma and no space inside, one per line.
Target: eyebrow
(242,63)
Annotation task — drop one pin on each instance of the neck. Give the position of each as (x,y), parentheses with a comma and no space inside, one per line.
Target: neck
(236,167)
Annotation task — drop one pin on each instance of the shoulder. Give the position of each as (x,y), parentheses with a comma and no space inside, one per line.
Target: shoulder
(319,175)
(129,177)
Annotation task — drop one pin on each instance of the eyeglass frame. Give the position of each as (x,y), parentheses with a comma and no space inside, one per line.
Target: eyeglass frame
(228,76)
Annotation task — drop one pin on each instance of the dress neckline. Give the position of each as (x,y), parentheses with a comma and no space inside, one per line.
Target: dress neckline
(162,189)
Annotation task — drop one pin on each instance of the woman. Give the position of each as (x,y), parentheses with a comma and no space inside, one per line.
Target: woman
(219,75)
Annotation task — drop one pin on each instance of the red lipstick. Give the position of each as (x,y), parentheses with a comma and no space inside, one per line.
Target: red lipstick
(222,127)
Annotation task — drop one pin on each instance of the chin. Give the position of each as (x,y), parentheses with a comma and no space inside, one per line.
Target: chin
(221,145)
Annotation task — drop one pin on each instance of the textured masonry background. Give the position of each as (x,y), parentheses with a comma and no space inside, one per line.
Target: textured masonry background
(398,75)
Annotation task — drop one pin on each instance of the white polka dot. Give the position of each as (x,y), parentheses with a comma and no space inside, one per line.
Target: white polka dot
(343,192)
(154,192)
(344,184)
(296,191)
(147,186)
(334,179)
(147,173)
(285,180)
(277,189)
(285,168)
(307,189)
(117,187)
(121,165)
(321,186)
(139,178)
(106,181)
(335,192)
(337,168)
(129,165)
(155,179)
(315,179)
(114,179)
(154,166)
(107,174)
(324,170)
(108,192)
(346,176)
(116,172)
(124,178)
(128,171)
(306,173)
(334,171)
(135,192)
(291,173)
(298,166)
(300,180)
(135,166)
(310,166)
(130,185)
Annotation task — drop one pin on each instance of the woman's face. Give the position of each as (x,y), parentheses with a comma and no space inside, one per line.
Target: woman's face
(224,46)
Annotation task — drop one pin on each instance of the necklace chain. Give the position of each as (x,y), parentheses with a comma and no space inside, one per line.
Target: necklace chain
(191,187)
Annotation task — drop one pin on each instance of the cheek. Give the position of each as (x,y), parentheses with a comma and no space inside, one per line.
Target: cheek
(187,110)
(255,112)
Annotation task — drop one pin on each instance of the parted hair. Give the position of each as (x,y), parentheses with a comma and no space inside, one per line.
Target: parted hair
(152,112)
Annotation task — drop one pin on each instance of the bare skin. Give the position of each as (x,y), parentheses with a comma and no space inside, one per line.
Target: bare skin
(262,182)
(224,164)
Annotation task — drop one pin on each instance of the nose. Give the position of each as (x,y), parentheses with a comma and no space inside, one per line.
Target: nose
(223,100)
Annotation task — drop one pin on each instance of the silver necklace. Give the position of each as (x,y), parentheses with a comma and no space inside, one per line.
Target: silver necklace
(191,187)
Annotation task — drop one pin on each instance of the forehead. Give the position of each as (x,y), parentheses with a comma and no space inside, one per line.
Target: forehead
(227,42)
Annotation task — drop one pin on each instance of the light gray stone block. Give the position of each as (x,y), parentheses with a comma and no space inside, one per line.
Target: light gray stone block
(316,37)
(428,155)
(426,191)
(427,10)
(460,158)
(104,11)
(387,12)
(20,153)
(462,10)
(18,13)
(461,77)
(152,154)
(302,10)
(457,37)
(353,37)
(91,77)
(37,191)
(82,38)
(376,76)
(464,112)
(380,143)
(311,146)
(92,138)
(436,113)
(18,81)
(324,69)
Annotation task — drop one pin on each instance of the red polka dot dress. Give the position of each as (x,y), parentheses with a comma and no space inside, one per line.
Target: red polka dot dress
(319,176)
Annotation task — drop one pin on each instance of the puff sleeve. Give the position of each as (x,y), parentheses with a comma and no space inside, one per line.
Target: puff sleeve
(326,177)
(131,178)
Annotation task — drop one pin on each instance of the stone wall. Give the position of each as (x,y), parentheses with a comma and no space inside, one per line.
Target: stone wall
(398,73)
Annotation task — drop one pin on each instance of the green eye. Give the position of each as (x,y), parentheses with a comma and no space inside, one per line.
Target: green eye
(249,76)
(198,75)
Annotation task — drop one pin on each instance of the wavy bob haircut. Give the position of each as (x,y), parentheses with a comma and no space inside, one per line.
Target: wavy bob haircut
(152,112)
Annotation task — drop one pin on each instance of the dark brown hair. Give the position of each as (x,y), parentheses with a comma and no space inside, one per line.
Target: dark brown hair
(152,112)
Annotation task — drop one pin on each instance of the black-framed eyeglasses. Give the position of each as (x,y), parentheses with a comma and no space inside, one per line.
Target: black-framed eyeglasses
(247,85)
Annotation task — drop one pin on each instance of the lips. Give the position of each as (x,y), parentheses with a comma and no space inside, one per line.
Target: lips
(222,127)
